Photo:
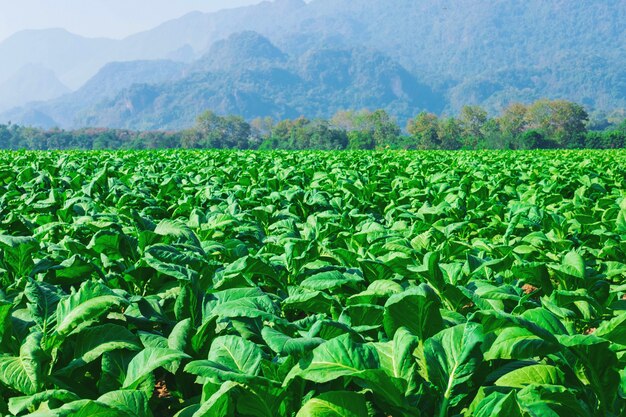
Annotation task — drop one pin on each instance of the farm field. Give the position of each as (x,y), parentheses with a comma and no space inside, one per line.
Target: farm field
(223,283)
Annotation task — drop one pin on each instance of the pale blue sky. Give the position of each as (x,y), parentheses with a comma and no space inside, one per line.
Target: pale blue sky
(109,18)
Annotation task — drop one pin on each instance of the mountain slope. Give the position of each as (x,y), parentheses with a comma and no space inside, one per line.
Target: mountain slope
(30,83)
(73,58)
(260,80)
(486,52)
(109,81)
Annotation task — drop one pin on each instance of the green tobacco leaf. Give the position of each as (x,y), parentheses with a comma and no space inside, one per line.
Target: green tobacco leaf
(173,255)
(329,280)
(363,317)
(416,309)
(261,401)
(519,343)
(42,303)
(171,270)
(19,404)
(336,358)
(599,365)
(5,319)
(377,290)
(396,356)
(25,373)
(201,340)
(220,404)
(80,408)
(534,374)
(132,403)
(178,231)
(551,401)
(114,366)
(73,270)
(452,358)
(335,404)
(285,345)
(180,335)
(571,270)
(574,264)
(18,253)
(307,300)
(236,354)
(545,320)
(494,321)
(231,358)
(147,361)
(613,330)
(246,306)
(86,305)
(94,341)
(620,222)
(389,392)
(497,404)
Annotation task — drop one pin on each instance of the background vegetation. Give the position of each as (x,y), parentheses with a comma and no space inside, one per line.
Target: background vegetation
(543,124)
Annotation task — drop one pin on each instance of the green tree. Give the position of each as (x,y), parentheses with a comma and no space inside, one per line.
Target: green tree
(303,133)
(382,129)
(513,122)
(535,139)
(471,121)
(424,130)
(449,133)
(261,129)
(560,121)
(492,136)
(213,131)
(360,140)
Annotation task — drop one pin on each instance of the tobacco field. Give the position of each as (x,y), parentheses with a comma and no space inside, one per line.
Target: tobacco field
(353,284)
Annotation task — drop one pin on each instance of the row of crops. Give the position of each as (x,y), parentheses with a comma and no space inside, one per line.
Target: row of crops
(357,284)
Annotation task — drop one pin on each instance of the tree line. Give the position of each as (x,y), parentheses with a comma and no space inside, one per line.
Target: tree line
(544,124)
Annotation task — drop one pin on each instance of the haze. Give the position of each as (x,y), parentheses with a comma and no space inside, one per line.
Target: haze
(100,18)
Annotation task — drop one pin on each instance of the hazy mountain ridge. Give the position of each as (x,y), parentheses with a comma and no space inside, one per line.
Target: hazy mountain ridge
(267,82)
(487,52)
(32,83)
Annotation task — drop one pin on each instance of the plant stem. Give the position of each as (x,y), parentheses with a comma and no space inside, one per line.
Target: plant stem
(443,410)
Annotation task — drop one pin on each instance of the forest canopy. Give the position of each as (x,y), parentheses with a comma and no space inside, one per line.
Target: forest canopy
(544,124)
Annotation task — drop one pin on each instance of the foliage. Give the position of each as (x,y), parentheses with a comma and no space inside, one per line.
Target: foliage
(543,125)
(223,283)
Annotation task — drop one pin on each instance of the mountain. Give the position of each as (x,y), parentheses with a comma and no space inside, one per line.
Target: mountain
(242,49)
(109,81)
(256,79)
(445,54)
(73,58)
(30,83)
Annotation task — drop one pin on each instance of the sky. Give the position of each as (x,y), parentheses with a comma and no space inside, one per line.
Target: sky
(95,18)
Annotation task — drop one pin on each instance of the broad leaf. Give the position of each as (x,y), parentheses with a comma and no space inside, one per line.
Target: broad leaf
(147,361)
(417,310)
(452,359)
(335,404)
(534,374)
(85,306)
(334,359)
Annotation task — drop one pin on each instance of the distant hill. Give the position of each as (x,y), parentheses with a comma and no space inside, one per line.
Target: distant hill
(72,58)
(247,75)
(289,57)
(65,111)
(31,83)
